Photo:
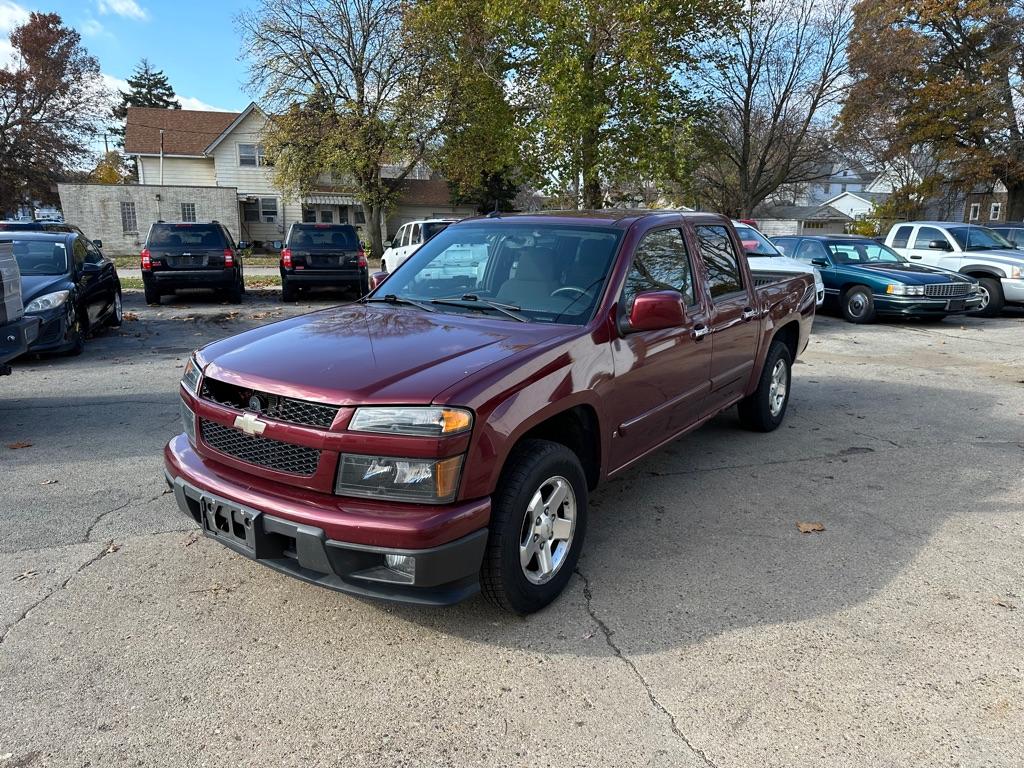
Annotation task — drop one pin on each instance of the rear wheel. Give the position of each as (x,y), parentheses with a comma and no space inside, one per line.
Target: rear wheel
(992,299)
(288,292)
(765,409)
(117,315)
(857,305)
(234,293)
(538,522)
(152,294)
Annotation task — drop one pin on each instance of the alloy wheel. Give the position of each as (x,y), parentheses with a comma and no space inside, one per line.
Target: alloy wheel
(986,297)
(778,388)
(547,531)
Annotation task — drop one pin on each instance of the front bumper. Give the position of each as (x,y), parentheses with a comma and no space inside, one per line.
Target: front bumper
(342,548)
(887,304)
(16,337)
(169,279)
(55,330)
(1013,290)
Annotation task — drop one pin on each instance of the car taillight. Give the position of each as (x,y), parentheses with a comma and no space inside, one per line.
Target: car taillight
(361,257)
(147,262)
(286,258)
(229,257)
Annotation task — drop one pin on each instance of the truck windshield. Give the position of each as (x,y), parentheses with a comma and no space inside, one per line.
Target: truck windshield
(538,272)
(754,243)
(40,257)
(979,239)
(862,252)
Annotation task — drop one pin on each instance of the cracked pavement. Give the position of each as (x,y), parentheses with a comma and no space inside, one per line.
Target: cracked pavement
(702,629)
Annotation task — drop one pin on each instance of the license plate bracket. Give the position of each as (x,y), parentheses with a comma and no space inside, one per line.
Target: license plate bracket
(230,524)
(955,305)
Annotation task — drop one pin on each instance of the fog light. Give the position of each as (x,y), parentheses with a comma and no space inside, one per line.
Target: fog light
(403,564)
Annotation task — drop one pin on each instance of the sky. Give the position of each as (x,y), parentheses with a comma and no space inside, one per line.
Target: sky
(194,42)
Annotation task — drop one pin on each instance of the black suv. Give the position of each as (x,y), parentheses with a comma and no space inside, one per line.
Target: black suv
(325,256)
(191,255)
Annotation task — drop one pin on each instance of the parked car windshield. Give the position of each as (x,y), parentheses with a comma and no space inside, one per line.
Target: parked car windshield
(40,257)
(186,236)
(979,239)
(542,272)
(862,252)
(754,243)
(324,236)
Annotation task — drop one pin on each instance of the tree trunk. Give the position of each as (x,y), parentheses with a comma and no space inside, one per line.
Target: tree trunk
(593,198)
(372,214)
(1014,199)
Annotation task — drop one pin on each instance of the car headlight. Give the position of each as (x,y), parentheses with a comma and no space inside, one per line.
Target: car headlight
(49,301)
(899,289)
(190,378)
(1015,273)
(416,421)
(188,422)
(427,481)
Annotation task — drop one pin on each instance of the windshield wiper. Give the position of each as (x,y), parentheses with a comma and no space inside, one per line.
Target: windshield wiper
(472,301)
(390,298)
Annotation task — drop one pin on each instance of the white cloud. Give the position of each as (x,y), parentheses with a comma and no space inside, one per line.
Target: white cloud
(92,28)
(11,15)
(127,8)
(115,84)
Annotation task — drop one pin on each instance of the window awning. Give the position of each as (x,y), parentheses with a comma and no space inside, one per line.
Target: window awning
(328,198)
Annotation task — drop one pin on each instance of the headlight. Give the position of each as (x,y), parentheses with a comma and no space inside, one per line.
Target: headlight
(428,481)
(49,301)
(190,378)
(417,421)
(904,290)
(188,422)
(1015,273)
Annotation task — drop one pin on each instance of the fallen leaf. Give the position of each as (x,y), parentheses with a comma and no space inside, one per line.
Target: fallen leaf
(1002,603)
(19,444)
(192,539)
(49,482)
(810,527)
(130,316)
(112,547)
(26,575)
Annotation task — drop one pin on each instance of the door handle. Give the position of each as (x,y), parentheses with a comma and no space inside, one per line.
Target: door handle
(748,314)
(699,332)
(915,256)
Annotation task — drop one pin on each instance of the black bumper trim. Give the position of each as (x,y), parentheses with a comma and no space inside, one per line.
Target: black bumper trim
(444,575)
(17,336)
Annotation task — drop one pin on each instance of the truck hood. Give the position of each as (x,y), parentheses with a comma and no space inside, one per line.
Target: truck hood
(907,272)
(368,353)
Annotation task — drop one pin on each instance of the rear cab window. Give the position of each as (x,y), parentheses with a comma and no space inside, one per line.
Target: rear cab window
(170,237)
(721,266)
(324,237)
(901,237)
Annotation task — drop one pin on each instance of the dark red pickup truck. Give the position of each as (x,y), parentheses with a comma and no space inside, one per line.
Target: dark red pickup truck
(441,435)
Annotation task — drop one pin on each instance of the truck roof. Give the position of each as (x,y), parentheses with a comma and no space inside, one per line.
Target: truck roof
(620,218)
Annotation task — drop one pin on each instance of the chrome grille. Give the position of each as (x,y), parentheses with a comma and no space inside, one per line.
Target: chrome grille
(261,451)
(272,406)
(946,290)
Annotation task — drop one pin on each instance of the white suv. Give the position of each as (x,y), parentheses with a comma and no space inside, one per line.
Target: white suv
(408,239)
(764,256)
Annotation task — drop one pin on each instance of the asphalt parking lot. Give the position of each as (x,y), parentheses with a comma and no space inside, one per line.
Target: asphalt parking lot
(704,629)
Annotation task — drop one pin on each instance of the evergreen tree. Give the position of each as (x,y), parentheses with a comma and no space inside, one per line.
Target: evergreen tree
(148,87)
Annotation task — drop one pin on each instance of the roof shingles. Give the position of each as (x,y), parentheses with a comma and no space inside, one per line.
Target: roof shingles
(186,131)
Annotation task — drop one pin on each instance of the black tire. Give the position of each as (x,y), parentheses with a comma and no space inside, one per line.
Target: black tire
(932,318)
(77,338)
(117,313)
(288,292)
(152,294)
(234,293)
(532,465)
(857,305)
(991,287)
(756,411)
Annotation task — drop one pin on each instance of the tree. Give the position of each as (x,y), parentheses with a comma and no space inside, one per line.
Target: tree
(599,85)
(49,97)
(352,94)
(147,87)
(111,169)
(782,70)
(948,76)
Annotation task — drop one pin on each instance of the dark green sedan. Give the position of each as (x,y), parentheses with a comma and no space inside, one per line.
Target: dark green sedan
(864,279)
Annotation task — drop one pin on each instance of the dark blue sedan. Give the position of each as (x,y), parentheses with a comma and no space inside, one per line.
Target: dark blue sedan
(864,279)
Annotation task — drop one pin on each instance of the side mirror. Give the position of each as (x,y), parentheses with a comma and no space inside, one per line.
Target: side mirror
(89,268)
(276,245)
(387,243)
(98,243)
(243,244)
(820,262)
(656,310)
(377,278)
(939,245)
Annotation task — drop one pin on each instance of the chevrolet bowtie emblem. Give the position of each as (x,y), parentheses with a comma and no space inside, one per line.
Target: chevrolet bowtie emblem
(250,424)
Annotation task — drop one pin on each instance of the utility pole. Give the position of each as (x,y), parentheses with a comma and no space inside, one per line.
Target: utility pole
(106,147)
(161,157)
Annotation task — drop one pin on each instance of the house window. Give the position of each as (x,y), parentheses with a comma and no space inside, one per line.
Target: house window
(360,216)
(251,155)
(250,211)
(842,187)
(188,211)
(995,211)
(308,215)
(975,211)
(268,207)
(129,220)
(327,217)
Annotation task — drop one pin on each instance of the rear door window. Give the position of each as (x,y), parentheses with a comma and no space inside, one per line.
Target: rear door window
(901,237)
(785,244)
(721,266)
(660,263)
(810,250)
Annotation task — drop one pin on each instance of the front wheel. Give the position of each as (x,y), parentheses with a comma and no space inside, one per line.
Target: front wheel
(117,315)
(765,409)
(538,522)
(992,298)
(858,306)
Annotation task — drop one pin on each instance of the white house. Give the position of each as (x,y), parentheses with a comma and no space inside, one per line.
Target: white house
(189,159)
(857,205)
